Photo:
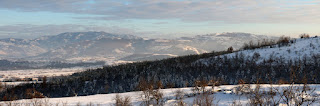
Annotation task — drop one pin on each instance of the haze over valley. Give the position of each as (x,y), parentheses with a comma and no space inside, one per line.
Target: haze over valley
(73,47)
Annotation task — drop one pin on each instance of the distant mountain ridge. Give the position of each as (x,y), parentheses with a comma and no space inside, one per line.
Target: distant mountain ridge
(102,46)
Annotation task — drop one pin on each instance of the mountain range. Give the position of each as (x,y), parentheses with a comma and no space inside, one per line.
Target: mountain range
(102,46)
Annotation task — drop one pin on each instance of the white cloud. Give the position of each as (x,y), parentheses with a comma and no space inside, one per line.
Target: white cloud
(31,31)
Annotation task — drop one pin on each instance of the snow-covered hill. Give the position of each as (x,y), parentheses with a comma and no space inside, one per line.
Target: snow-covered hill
(301,49)
(146,57)
(12,47)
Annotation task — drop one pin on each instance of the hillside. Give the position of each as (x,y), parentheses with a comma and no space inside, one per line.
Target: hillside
(306,49)
(102,46)
(183,71)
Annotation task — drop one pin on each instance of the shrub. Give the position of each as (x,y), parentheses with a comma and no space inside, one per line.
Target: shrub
(179,94)
(282,81)
(304,35)
(32,93)
(120,101)
(230,49)
(283,41)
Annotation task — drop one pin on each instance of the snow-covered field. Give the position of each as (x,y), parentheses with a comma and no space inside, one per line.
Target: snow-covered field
(224,96)
(35,73)
(306,47)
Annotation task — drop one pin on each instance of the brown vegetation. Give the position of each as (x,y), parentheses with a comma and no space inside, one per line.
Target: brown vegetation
(122,101)
(282,41)
(151,93)
(230,49)
(32,93)
(304,35)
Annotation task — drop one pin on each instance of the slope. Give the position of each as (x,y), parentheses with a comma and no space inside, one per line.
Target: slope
(306,49)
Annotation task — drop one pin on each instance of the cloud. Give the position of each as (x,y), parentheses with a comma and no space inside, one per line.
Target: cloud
(227,11)
(158,23)
(31,31)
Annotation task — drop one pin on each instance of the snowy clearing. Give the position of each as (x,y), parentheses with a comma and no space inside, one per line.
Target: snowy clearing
(224,96)
(35,73)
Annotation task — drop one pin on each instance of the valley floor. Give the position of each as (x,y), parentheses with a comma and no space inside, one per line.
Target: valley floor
(14,75)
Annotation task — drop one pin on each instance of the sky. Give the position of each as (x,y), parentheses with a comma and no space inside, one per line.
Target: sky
(159,18)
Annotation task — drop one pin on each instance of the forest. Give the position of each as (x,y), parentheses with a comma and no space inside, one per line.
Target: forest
(175,72)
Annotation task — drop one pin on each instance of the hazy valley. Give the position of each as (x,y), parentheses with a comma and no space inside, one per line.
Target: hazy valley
(90,47)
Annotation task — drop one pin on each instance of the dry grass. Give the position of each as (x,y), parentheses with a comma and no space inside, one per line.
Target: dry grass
(122,101)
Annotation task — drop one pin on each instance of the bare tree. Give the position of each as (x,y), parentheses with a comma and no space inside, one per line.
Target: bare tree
(146,89)
(204,99)
(157,97)
(151,93)
(196,88)
(1,87)
(203,84)
(297,95)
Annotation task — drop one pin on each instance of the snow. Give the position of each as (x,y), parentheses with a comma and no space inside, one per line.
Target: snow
(224,96)
(302,47)
(189,48)
(2,52)
(162,40)
(165,54)
(19,82)
(35,73)
(306,47)
(118,51)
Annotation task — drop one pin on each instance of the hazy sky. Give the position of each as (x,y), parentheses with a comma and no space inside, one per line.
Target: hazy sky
(159,18)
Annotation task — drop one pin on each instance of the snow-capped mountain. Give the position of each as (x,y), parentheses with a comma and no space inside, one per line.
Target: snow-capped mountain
(99,49)
(93,46)
(63,39)
(19,48)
